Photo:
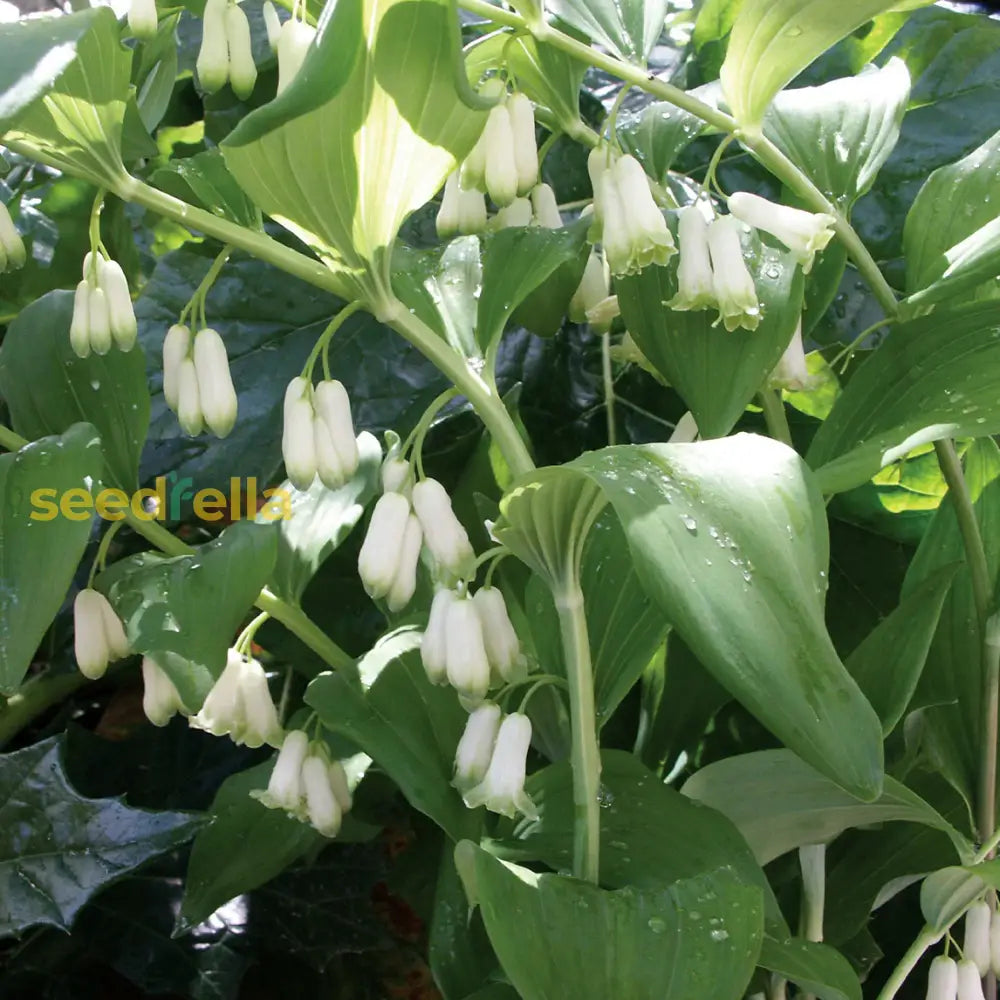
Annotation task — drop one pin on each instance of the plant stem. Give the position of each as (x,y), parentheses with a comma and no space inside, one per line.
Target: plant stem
(609,387)
(774,415)
(924,940)
(586,754)
(36,695)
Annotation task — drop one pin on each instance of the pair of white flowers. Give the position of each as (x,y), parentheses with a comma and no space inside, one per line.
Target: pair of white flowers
(12,253)
(464,212)
(289,41)
(102,309)
(307,784)
(962,980)
(318,434)
(197,383)
(226,53)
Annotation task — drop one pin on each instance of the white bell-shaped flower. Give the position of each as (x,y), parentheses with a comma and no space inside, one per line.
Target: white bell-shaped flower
(338,783)
(646,239)
(322,807)
(995,944)
(517,213)
(298,435)
(545,207)
(242,69)
(189,414)
(448,217)
(970,983)
(433,643)
(142,18)
(734,287)
(594,287)
(695,285)
(804,233)
(468,666)
(79,327)
(444,534)
(404,583)
(942,979)
(98,635)
(397,476)
(99,321)
(472,213)
(213,56)
(381,551)
(502,790)
(522,123)
(976,945)
(598,164)
(284,789)
(12,252)
(501,167)
(161,700)
(475,748)
(272,25)
(792,372)
(240,706)
(112,280)
(503,648)
(334,434)
(216,393)
(292,46)
(176,347)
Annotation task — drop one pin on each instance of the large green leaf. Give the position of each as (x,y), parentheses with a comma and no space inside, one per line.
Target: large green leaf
(931,378)
(697,937)
(204,180)
(657,134)
(48,388)
(729,538)
(366,133)
(841,132)
(772,41)
(716,372)
(817,969)
(629,28)
(39,554)
(57,848)
(803,807)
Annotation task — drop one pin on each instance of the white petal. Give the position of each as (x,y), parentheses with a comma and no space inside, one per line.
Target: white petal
(465,652)
(475,748)
(378,560)
(293,46)
(176,345)
(444,534)
(433,642)
(405,582)
(89,642)
(242,70)
(324,811)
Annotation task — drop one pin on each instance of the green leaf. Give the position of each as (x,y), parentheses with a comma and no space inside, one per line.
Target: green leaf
(57,848)
(78,92)
(380,87)
(931,378)
(319,520)
(184,611)
(729,539)
(945,894)
(204,180)
(48,388)
(772,41)
(817,969)
(40,554)
(629,28)
(407,725)
(716,372)
(697,937)
(841,132)
(888,664)
(156,73)
(803,806)
(657,134)
(268,840)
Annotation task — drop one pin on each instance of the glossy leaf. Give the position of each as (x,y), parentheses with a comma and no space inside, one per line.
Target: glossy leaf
(48,388)
(716,372)
(204,180)
(803,807)
(657,134)
(772,41)
(697,937)
(39,557)
(931,378)
(57,848)
(629,28)
(817,969)
(945,894)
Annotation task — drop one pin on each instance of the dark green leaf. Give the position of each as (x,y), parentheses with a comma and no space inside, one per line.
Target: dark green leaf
(657,134)
(816,969)
(204,180)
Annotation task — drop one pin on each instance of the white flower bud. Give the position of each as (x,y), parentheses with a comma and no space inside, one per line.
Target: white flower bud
(501,167)
(79,327)
(298,436)
(240,705)
(517,213)
(685,431)
(543,201)
(89,641)
(792,372)
(446,538)
(804,233)
(322,806)
(215,382)
(942,979)
(522,124)
(114,631)
(189,414)
(99,321)
(448,216)
(213,56)
(976,946)
(465,653)
(242,69)
(471,212)
(176,346)
(328,466)
(475,748)
(604,313)
(160,699)
(598,164)
(378,561)
(338,784)
(272,25)
(970,983)
(120,312)
(222,710)
(502,790)
(397,476)
(695,289)
(995,944)
(649,240)
(734,286)
(11,242)
(433,643)
(261,725)
(503,648)
(142,19)
(593,288)
(405,582)
(284,789)
(472,172)
(293,47)
(333,409)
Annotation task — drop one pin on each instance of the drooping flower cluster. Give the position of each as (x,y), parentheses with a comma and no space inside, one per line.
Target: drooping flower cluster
(12,252)
(226,53)
(142,19)
(318,434)
(99,638)
(197,383)
(102,309)
(289,42)
(308,785)
(963,980)
(539,208)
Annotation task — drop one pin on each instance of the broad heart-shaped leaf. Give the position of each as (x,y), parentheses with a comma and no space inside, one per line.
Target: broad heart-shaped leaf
(803,806)
(367,132)
(951,238)
(729,538)
(657,134)
(774,40)
(77,115)
(816,969)
(716,372)
(48,388)
(842,132)
(268,841)
(184,611)
(408,726)
(57,848)
(39,548)
(319,520)
(888,664)
(931,378)
(696,937)
(203,179)
(629,28)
